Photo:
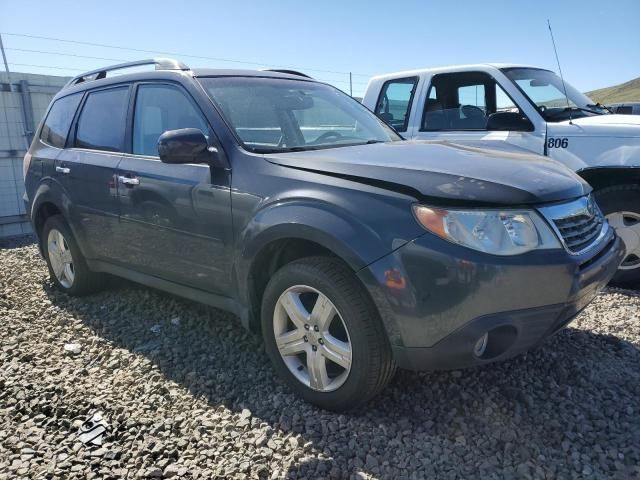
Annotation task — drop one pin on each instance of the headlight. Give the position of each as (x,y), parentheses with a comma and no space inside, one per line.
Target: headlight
(499,232)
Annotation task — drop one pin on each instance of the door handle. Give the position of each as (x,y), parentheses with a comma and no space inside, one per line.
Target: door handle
(128,180)
(65,170)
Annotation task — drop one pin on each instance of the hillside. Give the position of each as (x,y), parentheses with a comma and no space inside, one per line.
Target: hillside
(625,92)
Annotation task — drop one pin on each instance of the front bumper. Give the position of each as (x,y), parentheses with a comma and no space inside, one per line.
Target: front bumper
(437,299)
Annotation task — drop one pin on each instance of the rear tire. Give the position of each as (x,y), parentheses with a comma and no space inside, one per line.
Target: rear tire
(67,267)
(348,323)
(621,205)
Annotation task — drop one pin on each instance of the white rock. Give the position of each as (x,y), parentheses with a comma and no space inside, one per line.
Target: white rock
(72,348)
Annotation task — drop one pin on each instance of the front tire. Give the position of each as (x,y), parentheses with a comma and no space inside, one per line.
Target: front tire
(324,335)
(67,267)
(621,205)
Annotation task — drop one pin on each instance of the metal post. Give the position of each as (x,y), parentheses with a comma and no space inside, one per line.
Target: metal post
(6,65)
(350,84)
(27,111)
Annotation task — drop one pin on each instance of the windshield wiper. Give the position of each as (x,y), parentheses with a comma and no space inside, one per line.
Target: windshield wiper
(571,109)
(598,105)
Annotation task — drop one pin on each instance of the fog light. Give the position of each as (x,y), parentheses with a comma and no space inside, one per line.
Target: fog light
(481,345)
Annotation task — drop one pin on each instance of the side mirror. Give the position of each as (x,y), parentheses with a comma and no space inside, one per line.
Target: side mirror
(509,121)
(186,145)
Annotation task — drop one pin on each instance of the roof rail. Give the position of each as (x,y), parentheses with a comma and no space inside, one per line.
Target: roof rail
(290,72)
(160,63)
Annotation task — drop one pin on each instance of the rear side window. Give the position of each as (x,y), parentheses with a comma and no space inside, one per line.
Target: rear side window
(56,126)
(394,103)
(160,108)
(102,121)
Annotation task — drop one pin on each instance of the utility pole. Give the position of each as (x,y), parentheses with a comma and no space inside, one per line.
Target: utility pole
(350,84)
(6,65)
(24,98)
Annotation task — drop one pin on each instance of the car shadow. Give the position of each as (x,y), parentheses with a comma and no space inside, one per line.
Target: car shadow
(574,385)
(18,241)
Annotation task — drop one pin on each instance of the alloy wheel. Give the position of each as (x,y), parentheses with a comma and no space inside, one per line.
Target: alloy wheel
(312,338)
(60,258)
(627,226)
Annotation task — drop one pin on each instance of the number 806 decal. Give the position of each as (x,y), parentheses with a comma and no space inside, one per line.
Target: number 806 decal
(558,142)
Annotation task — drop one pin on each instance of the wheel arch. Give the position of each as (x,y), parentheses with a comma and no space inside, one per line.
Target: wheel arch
(278,246)
(48,201)
(305,227)
(603,177)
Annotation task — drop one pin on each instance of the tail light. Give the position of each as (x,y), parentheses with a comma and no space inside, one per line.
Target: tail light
(25,164)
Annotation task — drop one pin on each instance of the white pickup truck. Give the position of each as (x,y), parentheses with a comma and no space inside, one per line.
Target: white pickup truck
(526,108)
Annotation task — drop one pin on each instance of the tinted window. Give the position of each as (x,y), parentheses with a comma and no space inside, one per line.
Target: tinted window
(102,120)
(464,101)
(56,126)
(160,108)
(394,104)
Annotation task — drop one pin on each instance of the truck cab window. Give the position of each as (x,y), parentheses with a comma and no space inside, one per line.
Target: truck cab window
(394,104)
(464,101)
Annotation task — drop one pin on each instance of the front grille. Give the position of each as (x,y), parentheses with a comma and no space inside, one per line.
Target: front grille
(579,223)
(579,231)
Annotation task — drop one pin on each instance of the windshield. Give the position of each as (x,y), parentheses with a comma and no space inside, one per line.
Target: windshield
(544,89)
(272,115)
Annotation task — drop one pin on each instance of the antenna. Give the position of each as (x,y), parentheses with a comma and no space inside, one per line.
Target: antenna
(564,86)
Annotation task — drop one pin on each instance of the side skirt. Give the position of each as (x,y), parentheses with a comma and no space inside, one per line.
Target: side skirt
(200,296)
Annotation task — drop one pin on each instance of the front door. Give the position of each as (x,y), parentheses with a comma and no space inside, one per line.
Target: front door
(175,219)
(87,169)
(458,105)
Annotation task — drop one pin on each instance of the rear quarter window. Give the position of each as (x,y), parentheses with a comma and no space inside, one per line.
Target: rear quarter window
(56,126)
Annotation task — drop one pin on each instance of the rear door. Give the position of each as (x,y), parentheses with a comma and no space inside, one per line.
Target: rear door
(456,107)
(51,141)
(176,219)
(87,169)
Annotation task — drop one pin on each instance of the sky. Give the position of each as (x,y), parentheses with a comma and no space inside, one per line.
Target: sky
(598,41)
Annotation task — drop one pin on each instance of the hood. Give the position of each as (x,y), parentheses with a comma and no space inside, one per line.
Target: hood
(613,119)
(614,126)
(443,173)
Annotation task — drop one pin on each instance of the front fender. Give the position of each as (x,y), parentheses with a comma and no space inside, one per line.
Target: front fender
(350,238)
(594,147)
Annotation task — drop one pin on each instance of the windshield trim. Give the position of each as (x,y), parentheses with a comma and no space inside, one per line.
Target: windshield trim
(260,150)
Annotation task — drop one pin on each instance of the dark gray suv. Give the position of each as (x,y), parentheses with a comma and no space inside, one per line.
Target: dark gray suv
(285,201)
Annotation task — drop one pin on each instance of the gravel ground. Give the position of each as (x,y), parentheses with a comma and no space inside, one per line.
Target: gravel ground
(188,393)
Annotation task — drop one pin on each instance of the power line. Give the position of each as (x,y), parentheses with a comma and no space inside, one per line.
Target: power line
(344,82)
(45,66)
(67,54)
(175,54)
